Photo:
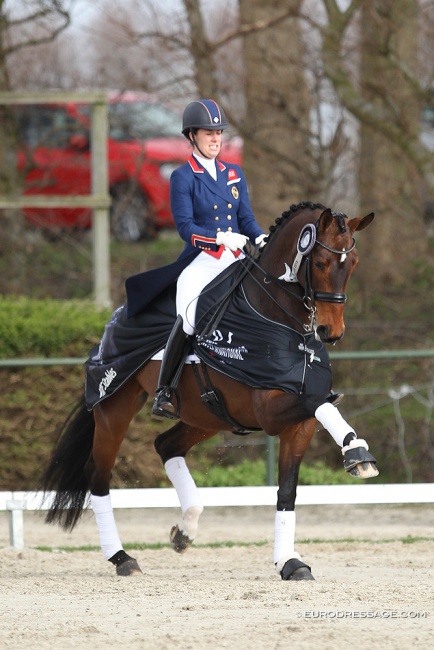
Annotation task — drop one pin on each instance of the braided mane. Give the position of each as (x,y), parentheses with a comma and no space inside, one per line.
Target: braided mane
(295,208)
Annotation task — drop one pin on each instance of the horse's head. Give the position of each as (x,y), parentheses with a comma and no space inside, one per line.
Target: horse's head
(329,267)
(315,248)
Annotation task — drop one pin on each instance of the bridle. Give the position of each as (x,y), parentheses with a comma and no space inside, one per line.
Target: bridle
(310,296)
(325,296)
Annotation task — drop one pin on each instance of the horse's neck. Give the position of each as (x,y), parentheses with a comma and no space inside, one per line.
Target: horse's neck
(275,302)
(280,301)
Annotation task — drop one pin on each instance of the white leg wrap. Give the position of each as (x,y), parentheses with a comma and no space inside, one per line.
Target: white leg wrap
(105,521)
(284,538)
(329,416)
(189,522)
(181,479)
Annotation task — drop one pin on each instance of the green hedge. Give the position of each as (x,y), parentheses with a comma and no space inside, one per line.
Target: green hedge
(48,328)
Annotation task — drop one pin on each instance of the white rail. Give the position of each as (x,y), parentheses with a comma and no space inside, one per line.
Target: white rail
(399,493)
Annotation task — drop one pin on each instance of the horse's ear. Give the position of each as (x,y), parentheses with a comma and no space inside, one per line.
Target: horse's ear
(360,223)
(325,219)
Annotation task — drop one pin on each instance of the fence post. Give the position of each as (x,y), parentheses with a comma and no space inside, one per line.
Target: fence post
(99,174)
(16,523)
(100,220)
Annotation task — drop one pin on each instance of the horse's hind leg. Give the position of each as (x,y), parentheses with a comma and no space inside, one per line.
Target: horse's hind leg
(184,532)
(172,446)
(112,418)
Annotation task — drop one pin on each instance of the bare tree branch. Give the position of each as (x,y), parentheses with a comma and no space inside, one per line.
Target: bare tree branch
(48,10)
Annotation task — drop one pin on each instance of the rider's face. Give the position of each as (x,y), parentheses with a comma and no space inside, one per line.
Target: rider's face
(208,142)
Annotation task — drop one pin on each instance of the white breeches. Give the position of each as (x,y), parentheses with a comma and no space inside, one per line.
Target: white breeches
(202,270)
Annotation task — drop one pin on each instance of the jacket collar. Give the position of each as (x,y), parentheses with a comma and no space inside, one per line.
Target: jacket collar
(199,169)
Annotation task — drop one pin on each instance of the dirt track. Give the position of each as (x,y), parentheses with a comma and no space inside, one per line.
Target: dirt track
(374,592)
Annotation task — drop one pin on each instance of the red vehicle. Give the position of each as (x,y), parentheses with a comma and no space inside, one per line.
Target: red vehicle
(144,146)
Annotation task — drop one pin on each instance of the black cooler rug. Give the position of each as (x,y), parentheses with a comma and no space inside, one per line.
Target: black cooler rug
(244,345)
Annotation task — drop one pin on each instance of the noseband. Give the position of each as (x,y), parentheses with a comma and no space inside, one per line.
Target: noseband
(325,296)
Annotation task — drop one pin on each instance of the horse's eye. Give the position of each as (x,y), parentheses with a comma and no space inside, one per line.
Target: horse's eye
(319,265)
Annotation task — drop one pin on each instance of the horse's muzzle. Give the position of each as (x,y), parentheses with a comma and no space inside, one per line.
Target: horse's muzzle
(323,333)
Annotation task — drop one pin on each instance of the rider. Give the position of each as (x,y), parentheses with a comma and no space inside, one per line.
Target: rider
(212,213)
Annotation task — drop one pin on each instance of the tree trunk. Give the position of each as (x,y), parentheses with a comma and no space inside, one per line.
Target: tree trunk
(205,75)
(389,183)
(276,127)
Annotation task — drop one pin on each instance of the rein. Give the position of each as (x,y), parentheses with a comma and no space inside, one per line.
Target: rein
(273,278)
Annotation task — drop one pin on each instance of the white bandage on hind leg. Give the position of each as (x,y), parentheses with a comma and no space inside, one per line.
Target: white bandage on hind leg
(284,538)
(105,521)
(188,495)
(329,416)
(181,479)
(190,521)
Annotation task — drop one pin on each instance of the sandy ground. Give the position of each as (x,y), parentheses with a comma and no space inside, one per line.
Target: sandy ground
(372,589)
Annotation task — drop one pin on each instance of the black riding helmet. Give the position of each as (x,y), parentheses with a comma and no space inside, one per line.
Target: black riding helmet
(203,114)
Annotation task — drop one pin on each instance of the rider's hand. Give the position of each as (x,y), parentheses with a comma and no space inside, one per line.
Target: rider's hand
(232,240)
(261,240)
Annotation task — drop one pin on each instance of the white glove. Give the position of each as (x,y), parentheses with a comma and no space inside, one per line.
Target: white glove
(261,240)
(232,240)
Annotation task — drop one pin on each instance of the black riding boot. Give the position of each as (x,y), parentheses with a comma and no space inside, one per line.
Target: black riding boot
(177,348)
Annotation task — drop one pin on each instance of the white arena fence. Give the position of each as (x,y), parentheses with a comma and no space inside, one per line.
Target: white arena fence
(363,494)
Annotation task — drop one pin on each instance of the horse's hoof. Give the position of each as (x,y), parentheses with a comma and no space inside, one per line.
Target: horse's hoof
(303,573)
(179,541)
(364,470)
(358,461)
(295,569)
(128,568)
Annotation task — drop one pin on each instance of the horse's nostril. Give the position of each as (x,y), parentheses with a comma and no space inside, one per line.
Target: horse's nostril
(323,332)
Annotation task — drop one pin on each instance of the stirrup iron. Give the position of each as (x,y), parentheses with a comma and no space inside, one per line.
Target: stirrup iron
(163,406)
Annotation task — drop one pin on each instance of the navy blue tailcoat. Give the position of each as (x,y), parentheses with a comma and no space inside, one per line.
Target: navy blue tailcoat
(201,207)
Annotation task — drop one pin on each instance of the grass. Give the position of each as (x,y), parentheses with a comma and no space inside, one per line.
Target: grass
(139,546)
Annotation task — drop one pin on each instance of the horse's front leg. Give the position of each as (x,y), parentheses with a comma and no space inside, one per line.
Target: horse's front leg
(294,442)
(358,461)
(172,446)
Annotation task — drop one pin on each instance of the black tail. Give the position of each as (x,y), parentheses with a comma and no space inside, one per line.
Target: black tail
(65,473)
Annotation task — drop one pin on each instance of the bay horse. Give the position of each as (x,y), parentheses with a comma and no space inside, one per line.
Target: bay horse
(297,281)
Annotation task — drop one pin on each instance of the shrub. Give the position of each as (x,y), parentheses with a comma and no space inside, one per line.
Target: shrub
(48,328)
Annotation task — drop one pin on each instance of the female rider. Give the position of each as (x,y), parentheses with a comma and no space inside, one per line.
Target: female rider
(212,213)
